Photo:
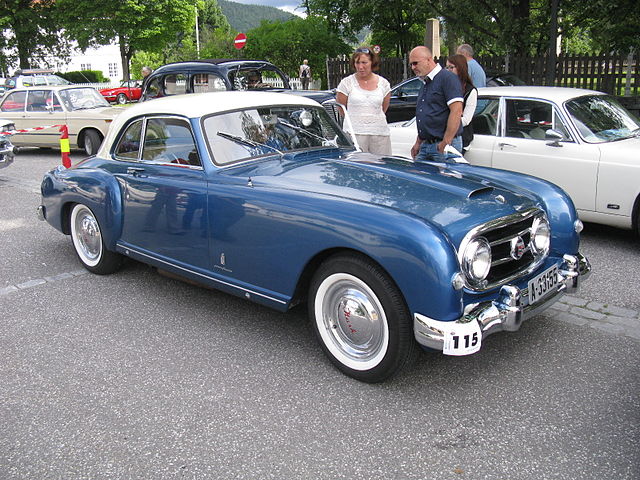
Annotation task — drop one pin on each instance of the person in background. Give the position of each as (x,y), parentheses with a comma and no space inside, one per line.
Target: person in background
(305,74)
(476,72)
(458,65)
(366,96)
(145,71)
(438,109)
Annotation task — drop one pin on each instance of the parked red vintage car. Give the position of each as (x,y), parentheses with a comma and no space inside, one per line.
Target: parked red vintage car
(127,92)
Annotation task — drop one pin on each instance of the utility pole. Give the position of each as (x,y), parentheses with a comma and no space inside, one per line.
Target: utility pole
(197,35)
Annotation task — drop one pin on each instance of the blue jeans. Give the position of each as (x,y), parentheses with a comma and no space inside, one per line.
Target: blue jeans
(429,151)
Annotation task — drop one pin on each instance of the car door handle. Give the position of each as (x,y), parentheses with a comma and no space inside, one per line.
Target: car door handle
(502,145)
(136,171)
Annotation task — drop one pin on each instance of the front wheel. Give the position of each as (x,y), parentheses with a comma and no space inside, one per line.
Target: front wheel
(91,142)
(361,319)
(121,99)
(88,243)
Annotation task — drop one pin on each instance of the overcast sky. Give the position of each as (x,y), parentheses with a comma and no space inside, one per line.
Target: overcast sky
(290,6)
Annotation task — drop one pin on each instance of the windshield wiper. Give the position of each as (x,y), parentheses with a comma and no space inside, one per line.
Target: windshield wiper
(247,143)
(325,141)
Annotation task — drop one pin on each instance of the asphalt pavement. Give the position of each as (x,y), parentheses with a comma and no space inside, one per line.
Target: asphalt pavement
(139,376)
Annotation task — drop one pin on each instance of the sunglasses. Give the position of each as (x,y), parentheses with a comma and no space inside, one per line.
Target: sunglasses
(362,50)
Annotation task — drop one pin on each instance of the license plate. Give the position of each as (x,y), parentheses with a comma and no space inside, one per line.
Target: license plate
(462,338)
(543,284)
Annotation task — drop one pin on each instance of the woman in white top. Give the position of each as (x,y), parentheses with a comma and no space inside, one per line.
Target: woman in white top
(458,65)
(366,96)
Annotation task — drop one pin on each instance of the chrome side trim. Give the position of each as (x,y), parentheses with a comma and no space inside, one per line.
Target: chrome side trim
(508,310)
(247,292)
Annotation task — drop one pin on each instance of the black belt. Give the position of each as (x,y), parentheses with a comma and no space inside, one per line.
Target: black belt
(432,140)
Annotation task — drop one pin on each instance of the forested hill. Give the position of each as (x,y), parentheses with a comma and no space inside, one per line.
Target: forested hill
(243,18)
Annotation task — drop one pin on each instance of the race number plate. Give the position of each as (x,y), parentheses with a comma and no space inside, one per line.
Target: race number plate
(543,284)
(462,339)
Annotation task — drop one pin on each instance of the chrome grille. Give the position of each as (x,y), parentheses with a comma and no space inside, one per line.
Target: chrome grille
(501,233)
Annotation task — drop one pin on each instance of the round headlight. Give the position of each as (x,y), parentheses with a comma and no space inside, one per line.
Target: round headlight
(476,260)
(540,236)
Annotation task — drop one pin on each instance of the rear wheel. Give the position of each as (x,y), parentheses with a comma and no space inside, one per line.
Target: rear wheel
(360,319)
(88,242)
(91,142)
(121,99)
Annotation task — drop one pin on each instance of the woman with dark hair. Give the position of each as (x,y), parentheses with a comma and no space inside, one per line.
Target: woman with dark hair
(458,65)
(366,96)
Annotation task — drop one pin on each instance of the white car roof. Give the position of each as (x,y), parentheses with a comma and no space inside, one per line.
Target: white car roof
(195,105)
(556,94)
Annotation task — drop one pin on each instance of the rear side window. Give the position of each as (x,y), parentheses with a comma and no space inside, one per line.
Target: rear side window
(207,82)
(14,102)
(129,145)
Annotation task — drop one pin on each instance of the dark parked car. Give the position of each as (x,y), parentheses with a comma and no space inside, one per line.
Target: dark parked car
(498,79)
(405,95)
(200,76)
(261,195)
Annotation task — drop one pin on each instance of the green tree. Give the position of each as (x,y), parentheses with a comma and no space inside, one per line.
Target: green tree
(135,24)
(611,26)
(33,35)
(286,44)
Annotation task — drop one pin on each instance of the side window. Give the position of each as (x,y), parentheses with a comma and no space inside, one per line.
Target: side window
(207,82)
(129,144)
(532,119)
(169,140)
(37,100)
(154,89)
(485,119)
(175,84)
(14,102)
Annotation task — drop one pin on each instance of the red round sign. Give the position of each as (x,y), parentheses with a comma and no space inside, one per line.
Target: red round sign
(240,40)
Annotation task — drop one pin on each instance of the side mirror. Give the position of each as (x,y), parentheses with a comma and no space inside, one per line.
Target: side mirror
(554,137)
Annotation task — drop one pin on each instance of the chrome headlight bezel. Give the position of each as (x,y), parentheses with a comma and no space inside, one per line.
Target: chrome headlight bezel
(476,260)
(540,236)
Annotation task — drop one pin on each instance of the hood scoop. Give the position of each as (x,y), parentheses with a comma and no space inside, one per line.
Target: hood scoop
(479,192)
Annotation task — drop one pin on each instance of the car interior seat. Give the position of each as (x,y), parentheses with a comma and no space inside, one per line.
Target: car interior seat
(538,116)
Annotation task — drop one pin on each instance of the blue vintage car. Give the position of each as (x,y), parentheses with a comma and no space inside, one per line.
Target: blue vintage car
(261,195)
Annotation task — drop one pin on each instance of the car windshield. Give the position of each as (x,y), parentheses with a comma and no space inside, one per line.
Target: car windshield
(82,99)
(244,134)
(600,119)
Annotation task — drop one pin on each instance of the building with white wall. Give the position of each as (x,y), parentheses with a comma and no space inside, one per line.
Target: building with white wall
(105,59)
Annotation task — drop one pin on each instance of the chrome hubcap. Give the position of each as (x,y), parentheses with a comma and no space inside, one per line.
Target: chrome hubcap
(88,236)
(353,321)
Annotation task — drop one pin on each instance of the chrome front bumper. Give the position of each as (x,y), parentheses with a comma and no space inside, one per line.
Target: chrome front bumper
(508,311)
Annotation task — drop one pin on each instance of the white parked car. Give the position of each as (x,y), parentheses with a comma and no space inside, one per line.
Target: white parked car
(82,109)
(581,140)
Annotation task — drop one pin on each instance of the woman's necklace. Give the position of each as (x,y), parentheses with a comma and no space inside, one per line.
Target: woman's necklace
(365,81)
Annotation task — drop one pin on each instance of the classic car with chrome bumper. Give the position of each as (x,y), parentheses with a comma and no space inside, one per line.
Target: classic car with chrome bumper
(263,196)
